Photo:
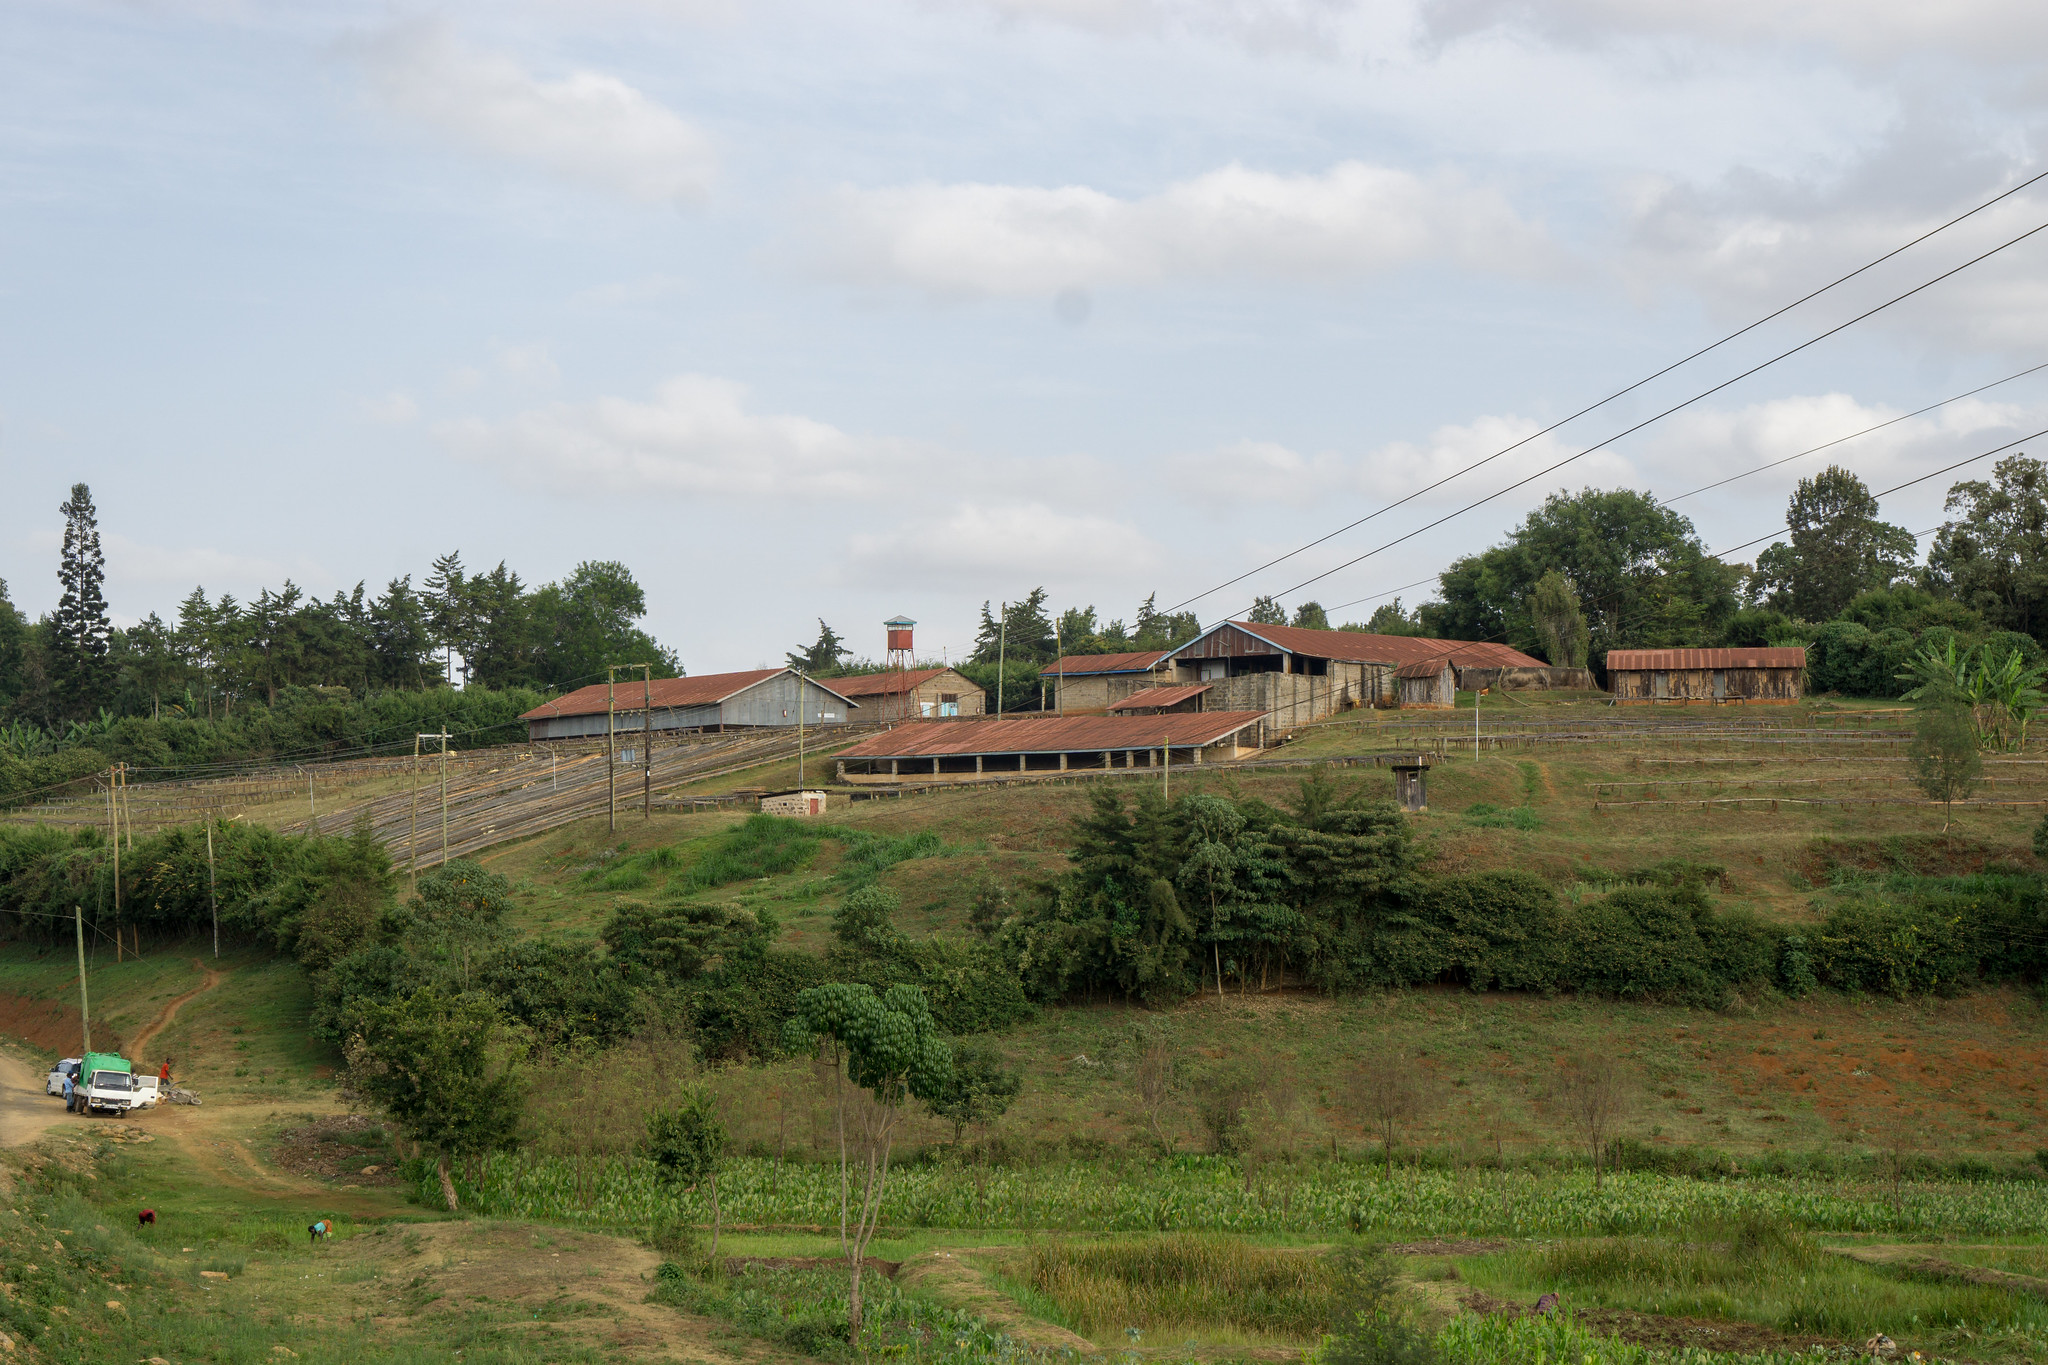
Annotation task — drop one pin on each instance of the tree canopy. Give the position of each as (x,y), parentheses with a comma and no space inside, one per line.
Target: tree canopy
(1839,549)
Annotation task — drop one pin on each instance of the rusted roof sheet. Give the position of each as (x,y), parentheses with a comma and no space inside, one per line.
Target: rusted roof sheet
(1358,647)
(1087,665)
(887,684)
(1159,696)
(669,694)
(1072,735)
(1636,660)
(1428,668)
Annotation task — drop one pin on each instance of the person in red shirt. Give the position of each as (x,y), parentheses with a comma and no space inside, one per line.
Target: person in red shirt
(164,1076)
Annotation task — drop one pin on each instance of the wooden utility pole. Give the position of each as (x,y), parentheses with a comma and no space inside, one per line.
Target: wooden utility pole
(444,798)
(800,729)
(212,893)
(1059,651)
(84,1005)
(1002,649)
(1166,768)
(611,748)
(114,838)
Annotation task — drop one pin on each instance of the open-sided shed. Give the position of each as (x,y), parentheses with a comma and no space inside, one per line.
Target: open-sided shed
(761,697)
(926,750)
(1706,677)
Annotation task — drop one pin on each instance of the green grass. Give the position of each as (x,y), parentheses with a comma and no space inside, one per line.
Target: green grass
(1755,1271)
(1179,1284)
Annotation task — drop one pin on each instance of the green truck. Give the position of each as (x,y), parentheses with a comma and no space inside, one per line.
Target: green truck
(107,1083)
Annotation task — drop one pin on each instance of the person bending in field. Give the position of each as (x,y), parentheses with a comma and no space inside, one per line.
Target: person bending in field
(316,1231)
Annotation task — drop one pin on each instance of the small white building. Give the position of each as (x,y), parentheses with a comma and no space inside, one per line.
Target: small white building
(797,803)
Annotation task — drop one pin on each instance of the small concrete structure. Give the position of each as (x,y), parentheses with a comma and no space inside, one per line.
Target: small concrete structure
(797,803)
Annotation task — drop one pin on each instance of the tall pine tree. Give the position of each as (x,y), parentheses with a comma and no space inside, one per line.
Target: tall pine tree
(81,638)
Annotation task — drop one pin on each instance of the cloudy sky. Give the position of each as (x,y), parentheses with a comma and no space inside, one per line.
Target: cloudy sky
(860,307)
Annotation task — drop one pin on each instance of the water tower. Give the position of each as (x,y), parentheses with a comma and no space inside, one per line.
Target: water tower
(899,641)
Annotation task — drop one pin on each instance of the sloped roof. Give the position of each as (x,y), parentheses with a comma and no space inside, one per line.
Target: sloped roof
(1358,647)
(1635,660)
(1073,734)
(1427,668)
(1159,696)
(668,694)
(889,684)
(1087,665)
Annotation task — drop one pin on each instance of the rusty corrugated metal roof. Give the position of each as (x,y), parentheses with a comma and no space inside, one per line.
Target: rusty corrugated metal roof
(1087,665)
(1427,668)
(888,684)
(1637,660)
(1356,646)
(1073,735)
(669,694)
(1160,696)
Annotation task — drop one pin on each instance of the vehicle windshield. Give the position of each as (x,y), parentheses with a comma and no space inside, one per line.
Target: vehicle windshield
(112,1080)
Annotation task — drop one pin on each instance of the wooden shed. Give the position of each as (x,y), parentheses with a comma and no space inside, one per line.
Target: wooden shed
(766,697)
(1706,677)
(1429,683)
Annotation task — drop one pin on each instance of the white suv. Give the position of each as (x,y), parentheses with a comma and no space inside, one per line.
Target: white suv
(67,1067)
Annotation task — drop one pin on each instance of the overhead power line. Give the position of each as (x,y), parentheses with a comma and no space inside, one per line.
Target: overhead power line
(1623,392)
(1829,445)
(1569,459)
(1718,554)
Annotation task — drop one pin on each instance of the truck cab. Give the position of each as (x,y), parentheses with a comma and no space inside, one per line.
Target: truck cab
(108,1082)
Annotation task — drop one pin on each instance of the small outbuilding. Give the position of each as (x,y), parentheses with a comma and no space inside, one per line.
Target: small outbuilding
(763,697)
(794,803)
(912,694)
(1707,677)
(1430,683)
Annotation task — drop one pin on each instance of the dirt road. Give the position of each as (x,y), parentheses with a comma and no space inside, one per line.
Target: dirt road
(26,1112)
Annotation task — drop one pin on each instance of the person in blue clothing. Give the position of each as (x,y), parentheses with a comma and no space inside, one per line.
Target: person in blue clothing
(70,1095)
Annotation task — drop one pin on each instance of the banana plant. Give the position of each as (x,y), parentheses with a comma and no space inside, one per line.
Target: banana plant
(22,740)
(2013,690)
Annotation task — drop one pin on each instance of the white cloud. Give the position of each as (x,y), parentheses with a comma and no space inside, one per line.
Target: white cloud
(1233,222)
(2001,31)
(1257,24)
(1027,538)
(530,364)
(696,437)
(586,126)
(393,409)
(1751,245)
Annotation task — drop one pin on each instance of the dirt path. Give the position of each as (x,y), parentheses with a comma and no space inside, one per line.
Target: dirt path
(1915,1259)
(27,1111)
(169,1012)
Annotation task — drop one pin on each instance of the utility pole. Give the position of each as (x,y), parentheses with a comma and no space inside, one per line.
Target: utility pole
(611,747)
(1002,649)
(212,893)
(800,729)
(1166,767)
(412,840)
(444,798)
(84,1006)
(1477,693)
(1059,651)
(114,838)
(312,811)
